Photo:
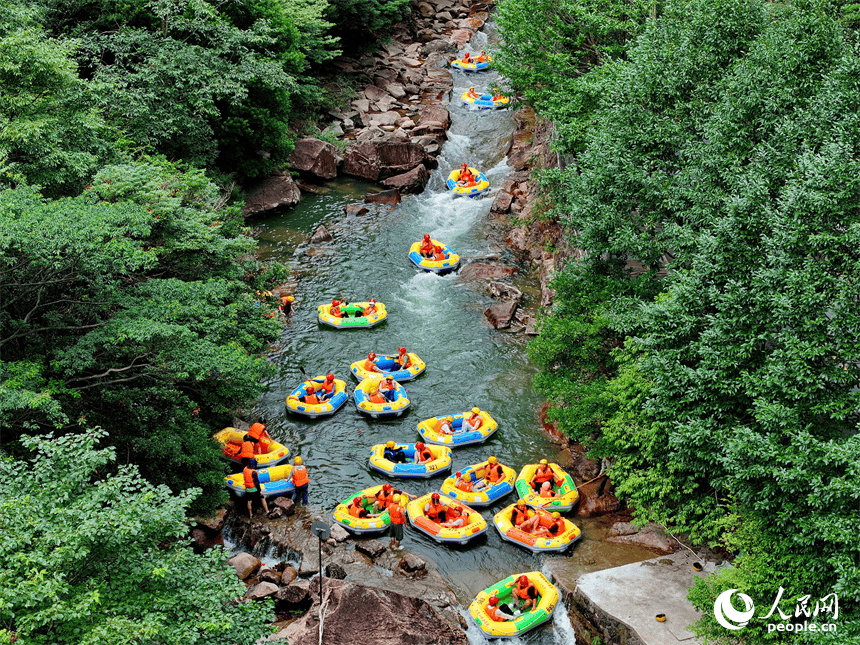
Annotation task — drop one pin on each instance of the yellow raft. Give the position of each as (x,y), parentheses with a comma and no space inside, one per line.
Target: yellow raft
(567,493)
(471,66)
(415,368)
(482,185)
(473,526)
(231,444)
(386,410)
(361,525)
(547,593)
(440,463)
(451,261)
(352,320)
(274,482)
(567,536)
(329,406)
(484,101)
(484,497)
(427,430)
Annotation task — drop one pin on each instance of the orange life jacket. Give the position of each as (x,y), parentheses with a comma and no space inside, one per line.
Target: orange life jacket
(328,386)
(313,399)
(247,450)
(334,310)
(368,310)
(547,493)
(434,509)
(300,476)
(426,247)
(494,613)
(556,527)
(518,516)
(395,512)
(376,397)
(440,427)
(355,509)
(495,473)
(370,366)
(467,58)
(248,474)
(439,257)
(543,474)
(462,484)
(476,420)
(386,386)
(529,591)
(403,360)
(425,455)
(383,498)
(257,430)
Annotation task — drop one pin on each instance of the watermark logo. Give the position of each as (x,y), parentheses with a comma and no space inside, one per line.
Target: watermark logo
(724,611)
(731,618)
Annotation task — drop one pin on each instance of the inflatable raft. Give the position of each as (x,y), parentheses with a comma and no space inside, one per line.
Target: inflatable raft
(386,410)
(484,497)
(274,482)
(474,524)
(451,261)
(485,101)
(231,444)
(415,368)
(353,317)
(482,185)
(567,493)
(359,525)
(470,67)
(549,543)
(440,464)
(314,410)
(427,430)
(547,593)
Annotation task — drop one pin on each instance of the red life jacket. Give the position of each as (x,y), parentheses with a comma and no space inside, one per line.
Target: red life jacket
(300,476)
(247,450)
(464,485)
(494,613)
(355,509)
(434,509)
(495,473)
(328,386)
(313,399)
(529,591)
(543,474)
(248,474)
(370,366)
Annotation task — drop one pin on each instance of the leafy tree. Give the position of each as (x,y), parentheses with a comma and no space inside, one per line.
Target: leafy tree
(354,20)
(129,306)
(90,558)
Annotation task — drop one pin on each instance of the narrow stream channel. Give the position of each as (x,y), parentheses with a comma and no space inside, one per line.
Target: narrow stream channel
(439,318)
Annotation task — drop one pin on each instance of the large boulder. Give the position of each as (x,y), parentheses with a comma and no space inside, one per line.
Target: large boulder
(409,182)
(376,160)
(295,595)
(273,193)
(316,157)
(397,619)
(262,590)
(500,315)
(651,537)
(245,564)
(435,114)
(389,197)
(371,548)
(485,271)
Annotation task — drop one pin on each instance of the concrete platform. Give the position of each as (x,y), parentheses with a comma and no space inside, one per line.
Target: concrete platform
(635,593)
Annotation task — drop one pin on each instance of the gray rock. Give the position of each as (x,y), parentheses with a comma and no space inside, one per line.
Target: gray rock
(373,94)
(320,235)
(261,590)
(337,531)
(502,290)
(362,105)
(285,504)
(409,182)
(276,513)
(500,315)
(411,564)
(270,575)
(379,160)
(370,548)
(316,157)
(502,202)
(245,565)
(288,575)
(294,595)
(396,90)
(335,571)
(273,193)
(387,197)
(426,10)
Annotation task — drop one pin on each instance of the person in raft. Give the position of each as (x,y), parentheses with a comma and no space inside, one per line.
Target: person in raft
(252,487)
(327,388)
(546,490)
(385,497)
(438,254)
(394,453)
(543,473)
(310,396)
(403,361)
(374,396)
(249,449)
(474,422)
(300,481)
(472,93)
(388,388)
(525,593)
(555,529)
(358,508)
(258,431)
(426,249)
(398,518)
(370,364)
(334,310)
(467,57)
(286,305)
(435,510)
(483,58)
(497,94)
(466,178)
(370,308)
(445,425)
(468,487)
(422,453)
(496,612)
(454,518)
(520,517)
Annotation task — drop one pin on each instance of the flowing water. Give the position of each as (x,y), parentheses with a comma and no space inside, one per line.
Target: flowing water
(439,318)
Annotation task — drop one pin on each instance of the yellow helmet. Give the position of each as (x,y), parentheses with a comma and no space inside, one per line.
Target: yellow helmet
(449,418)
(290,299)
(297,461)
(556,515)
(543,462)
(476,410)
(521,502)
(389,444)
(396,499)
(492,460)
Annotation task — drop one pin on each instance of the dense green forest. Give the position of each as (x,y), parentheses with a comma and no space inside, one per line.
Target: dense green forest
(708,343)
(131,293)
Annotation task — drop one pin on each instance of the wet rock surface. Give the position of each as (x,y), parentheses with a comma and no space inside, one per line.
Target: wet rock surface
(272,194)
(318,158)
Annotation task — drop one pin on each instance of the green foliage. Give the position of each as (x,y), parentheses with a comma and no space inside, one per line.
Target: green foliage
(128,306)
(96,559)
(724,155)
(355,19)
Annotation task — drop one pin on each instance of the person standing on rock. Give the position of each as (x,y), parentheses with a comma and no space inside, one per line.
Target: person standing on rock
(248,449)
(398,518)
(300,481)
(286,305)
(253,490)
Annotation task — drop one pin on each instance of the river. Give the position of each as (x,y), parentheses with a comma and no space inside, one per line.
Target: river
(439,318)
